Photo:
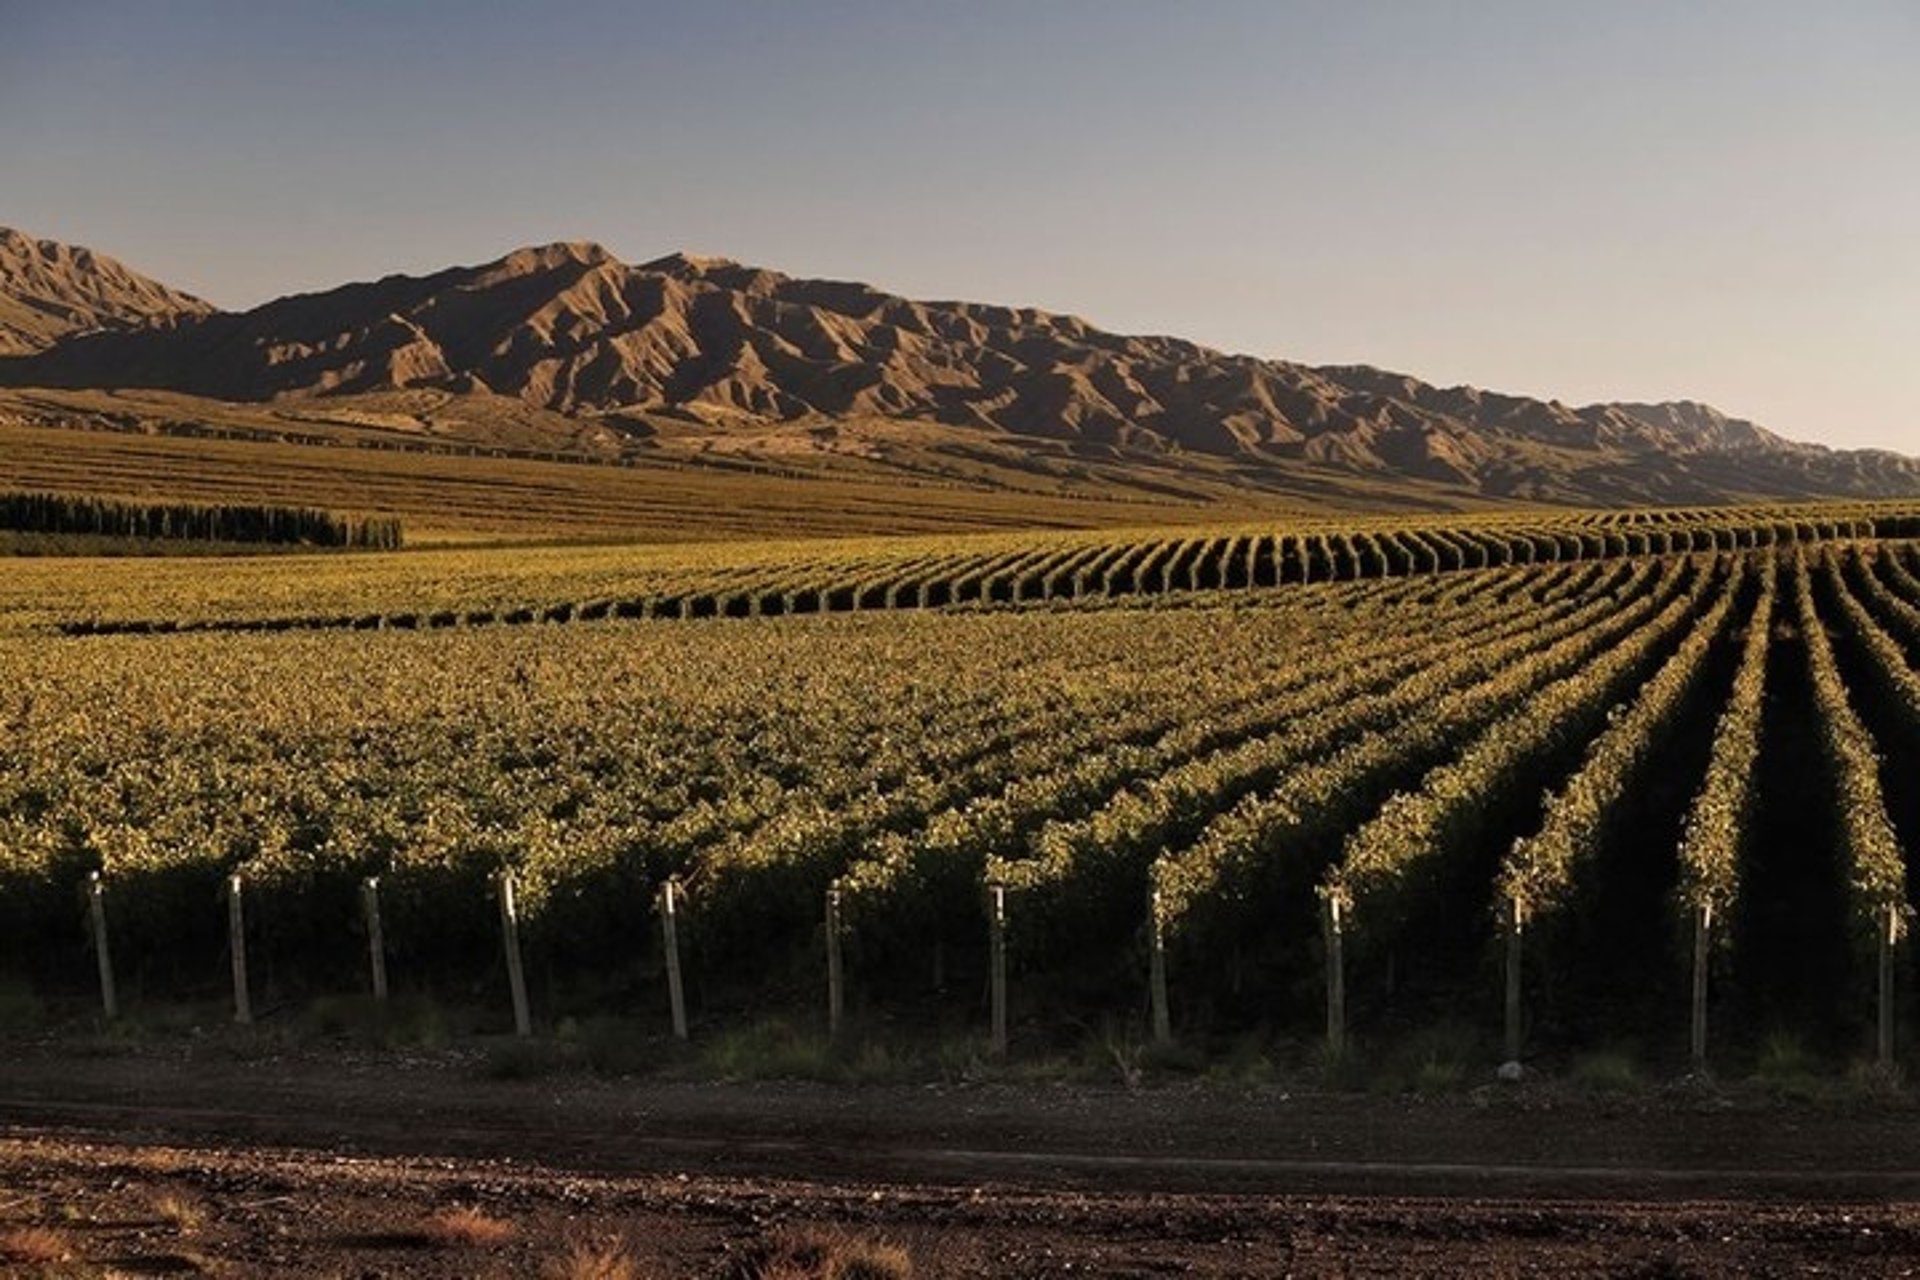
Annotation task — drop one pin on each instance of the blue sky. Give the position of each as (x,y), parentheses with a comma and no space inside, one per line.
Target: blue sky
(1630,200)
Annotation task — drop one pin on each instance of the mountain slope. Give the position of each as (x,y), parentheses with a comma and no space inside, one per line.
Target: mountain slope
(716,350)
(49,291)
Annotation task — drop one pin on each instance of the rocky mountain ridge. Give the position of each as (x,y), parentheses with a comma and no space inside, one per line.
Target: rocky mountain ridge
(715,344)
(50,291)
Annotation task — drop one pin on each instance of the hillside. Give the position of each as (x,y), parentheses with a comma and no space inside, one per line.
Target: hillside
(704,354)
(49,291)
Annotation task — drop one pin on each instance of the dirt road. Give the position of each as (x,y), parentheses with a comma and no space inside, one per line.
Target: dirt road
(326,1163)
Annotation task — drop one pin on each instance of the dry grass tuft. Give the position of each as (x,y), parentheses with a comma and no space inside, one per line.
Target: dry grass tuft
(178,1211)
(463,1228)
(817,1254)
(875,1262)
(162,1159)
(34,1246)
(592,1262)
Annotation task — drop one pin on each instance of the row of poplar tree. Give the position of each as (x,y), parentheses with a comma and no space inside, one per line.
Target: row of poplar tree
(72,514)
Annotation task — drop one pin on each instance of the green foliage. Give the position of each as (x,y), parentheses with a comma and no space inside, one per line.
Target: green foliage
(1427,713)
(524,586)
(1722,809)
(1540,870)
(1875,864)
(1229,751)
(1392,853)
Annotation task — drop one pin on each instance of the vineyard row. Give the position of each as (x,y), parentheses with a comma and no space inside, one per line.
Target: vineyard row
(828,581)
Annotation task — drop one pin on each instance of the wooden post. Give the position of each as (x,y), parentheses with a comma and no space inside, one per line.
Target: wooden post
(1889,935)
(516,974)
(1333,917)
(1516,927)
(237,945)
(997,951)
(1157,972)
(102,956)
(376,940)
(670,936)
(836,989)
(1702,952)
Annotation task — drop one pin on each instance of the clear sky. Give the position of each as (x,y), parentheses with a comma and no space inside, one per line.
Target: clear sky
(1638,199)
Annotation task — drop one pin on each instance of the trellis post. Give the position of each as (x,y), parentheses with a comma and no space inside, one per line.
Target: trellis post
(1702,952)
(1516,930)
(997,951)
(102,955)
(836,978)
(670,938)
(1333,918)
(376,939)
(1889,936)
(516,973)
(1157,971)
(237,946)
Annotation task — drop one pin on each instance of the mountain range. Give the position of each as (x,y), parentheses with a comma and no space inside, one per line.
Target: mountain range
(49,291)
(691,353)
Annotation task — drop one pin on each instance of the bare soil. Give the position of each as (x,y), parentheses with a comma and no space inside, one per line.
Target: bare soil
(193,1158)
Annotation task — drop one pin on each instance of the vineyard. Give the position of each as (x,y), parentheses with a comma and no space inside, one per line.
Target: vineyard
(467,587)
(1577,780)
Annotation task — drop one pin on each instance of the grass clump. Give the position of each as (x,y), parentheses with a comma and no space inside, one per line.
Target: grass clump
(592,1262)
(1344,1070)
(1430,1060)
(825,1254)
(618,1046)
(1176,1058)
(1870,1080)
(1605,1071)
(1244,1062)
(1787,1067)
(462,1227)
(34,1246)
(401,1022)
(178,1211)
(775,1049)
(771,1050)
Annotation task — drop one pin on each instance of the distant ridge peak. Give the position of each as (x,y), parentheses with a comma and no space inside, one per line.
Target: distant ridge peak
(682,263)
(545,257)
(50,291)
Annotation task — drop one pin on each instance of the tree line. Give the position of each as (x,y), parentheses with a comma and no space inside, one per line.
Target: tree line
(249,522)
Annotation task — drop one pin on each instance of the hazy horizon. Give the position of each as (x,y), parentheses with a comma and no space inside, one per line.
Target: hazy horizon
(1632,204)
